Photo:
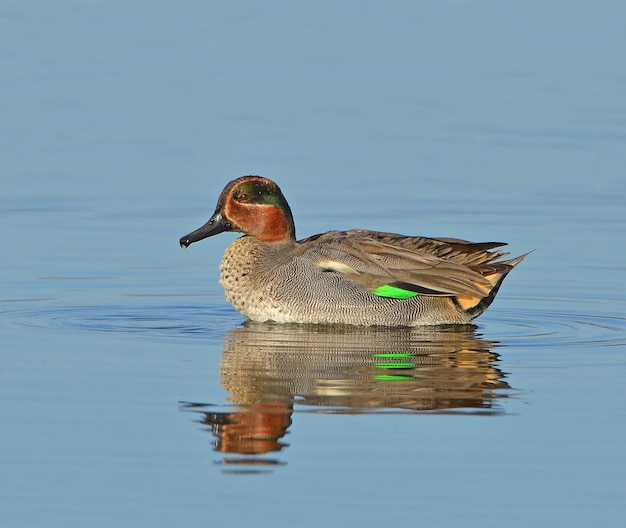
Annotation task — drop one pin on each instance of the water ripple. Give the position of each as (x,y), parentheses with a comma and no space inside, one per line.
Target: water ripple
(555,329)
(529,328)
(153,321)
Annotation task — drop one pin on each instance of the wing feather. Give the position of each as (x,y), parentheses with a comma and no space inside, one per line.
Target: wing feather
(449,267)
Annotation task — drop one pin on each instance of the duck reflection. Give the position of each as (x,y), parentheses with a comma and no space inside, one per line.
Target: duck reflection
(267,368)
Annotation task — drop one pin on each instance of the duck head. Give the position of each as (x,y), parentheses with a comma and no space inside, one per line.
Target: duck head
(252,205)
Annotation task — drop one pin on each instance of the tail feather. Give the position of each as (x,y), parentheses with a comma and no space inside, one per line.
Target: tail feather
(495,274)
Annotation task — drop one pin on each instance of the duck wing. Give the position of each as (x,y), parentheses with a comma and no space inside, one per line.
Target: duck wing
(392,265)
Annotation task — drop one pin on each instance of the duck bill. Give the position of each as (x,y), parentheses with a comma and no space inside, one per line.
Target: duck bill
(214,226)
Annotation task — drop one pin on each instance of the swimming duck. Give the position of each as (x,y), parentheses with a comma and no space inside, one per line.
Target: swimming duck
(353,277)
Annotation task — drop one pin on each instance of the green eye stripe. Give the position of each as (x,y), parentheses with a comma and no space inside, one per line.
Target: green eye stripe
(259,193)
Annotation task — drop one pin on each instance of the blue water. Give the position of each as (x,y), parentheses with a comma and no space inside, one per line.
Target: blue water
(133,394)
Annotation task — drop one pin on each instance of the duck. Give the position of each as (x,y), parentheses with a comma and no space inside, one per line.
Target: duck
(353,277)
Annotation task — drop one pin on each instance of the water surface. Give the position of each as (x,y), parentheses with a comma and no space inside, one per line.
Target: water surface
(134,395)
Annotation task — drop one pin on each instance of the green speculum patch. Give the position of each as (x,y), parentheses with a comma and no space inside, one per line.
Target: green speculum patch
(393,292)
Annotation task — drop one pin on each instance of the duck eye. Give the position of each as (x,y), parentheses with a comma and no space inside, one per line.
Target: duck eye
(243,197)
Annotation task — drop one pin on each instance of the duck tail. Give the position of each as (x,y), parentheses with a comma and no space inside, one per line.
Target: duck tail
(495,274)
